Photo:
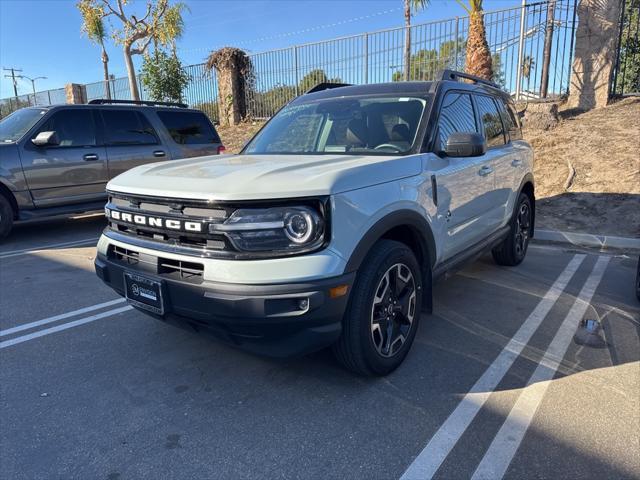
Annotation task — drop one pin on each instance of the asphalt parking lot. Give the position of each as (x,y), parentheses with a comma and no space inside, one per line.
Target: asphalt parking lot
(496,385)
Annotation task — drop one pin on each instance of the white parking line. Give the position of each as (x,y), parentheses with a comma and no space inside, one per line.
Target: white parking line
(431,457)
(498,457)
(26,251)
(62,316)
(64,326)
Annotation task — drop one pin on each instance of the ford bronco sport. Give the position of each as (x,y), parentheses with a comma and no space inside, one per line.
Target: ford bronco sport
(57,160)
(330,226)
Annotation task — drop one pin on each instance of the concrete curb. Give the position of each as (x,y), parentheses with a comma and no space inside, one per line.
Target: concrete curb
(601,242)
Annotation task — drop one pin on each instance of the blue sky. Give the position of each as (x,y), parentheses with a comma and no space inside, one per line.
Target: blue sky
(42,37)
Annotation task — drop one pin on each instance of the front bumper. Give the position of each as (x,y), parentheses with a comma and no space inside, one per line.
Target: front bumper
(264,319)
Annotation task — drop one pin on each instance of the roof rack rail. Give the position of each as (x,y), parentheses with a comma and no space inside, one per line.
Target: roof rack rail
(326,86)
(456,76)
(105,101)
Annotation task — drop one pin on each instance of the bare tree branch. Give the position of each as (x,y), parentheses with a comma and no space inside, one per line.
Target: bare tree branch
(141,50)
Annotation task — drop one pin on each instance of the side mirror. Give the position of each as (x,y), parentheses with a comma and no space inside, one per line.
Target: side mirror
(44,139)
(463,144)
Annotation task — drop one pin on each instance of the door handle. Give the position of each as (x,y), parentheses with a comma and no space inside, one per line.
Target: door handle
(516,163)
(159,153)
(484,171)
(90,157)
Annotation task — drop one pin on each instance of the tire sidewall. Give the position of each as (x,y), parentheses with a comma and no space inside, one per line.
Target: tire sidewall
(377,363)
(6,217)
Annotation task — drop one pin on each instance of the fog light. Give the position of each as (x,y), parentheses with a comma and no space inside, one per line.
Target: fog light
(303,304)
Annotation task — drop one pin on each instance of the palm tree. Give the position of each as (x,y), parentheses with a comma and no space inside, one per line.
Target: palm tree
(478,61)
(93,27)
(408,5)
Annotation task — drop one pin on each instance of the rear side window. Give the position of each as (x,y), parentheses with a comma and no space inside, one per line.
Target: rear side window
(189,127)
(127,127)
(74,127)
(508,114)
(491,121)
(456,115)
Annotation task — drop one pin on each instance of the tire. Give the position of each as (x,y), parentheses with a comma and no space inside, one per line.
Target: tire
(513,249)
(6,217)
(390,273)
(638,280)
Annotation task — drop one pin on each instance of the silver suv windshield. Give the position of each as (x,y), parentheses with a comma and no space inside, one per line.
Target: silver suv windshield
(376,125)
(13,127)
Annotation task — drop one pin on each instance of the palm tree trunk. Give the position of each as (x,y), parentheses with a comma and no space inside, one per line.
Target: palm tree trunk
(105,65)
(478,61)
(131,73)
(407,39)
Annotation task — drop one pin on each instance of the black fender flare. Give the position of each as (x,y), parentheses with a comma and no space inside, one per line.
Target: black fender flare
(422,236)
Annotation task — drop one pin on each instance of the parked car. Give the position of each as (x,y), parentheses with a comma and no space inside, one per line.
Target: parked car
(57,160)
(330,226)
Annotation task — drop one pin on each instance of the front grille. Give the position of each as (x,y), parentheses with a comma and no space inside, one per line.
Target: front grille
(125,255)
(199,212)
(184,270)
(192,272)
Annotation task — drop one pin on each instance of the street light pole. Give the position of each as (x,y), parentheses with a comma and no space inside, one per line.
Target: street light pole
(33,84)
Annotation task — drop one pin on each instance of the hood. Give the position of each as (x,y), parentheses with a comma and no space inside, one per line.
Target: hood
(255,177)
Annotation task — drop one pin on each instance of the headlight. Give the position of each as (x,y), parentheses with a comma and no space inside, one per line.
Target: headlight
(285,229)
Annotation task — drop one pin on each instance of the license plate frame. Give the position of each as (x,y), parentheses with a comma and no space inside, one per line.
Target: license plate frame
(144,292)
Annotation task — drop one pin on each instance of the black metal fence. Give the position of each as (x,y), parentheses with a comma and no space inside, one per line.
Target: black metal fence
(626,75)
(524,41)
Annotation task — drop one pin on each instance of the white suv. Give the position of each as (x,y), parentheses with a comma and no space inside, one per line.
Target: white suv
(331,225)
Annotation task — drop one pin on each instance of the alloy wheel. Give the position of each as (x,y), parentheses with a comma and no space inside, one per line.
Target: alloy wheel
(523,227)
(393,310)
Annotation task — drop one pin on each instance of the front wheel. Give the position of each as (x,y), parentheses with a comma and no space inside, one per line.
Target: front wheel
(6,217)
(384,311)
(513,249)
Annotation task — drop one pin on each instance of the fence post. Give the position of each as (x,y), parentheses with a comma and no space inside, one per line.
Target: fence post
(295,68)
(49,96)
(523,15)
(365,61)
(457,43)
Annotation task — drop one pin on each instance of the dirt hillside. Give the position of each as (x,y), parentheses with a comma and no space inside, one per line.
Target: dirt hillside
(602,146)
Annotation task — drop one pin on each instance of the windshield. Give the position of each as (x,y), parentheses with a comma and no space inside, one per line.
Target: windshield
(13,127)
(365,125)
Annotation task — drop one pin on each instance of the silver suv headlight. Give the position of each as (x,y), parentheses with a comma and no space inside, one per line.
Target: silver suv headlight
(288,229)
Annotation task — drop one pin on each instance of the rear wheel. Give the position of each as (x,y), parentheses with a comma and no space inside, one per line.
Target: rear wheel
(513,249)
(384,311)
(6,217)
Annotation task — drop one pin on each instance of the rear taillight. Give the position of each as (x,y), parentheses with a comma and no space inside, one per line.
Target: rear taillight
(221,149)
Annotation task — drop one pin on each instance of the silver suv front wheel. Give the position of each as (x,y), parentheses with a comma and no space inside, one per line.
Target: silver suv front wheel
(384,311)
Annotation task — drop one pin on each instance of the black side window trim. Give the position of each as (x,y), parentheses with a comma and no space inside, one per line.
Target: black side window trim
(104,137)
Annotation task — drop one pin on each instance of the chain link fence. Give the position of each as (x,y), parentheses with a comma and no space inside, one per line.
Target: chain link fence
(525,43)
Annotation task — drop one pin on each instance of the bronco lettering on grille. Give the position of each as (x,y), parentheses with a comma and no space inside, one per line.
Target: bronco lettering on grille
(157,222)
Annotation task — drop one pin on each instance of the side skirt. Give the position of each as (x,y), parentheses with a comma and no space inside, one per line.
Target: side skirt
(449,266)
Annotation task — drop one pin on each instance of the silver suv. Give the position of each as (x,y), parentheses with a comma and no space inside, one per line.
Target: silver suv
(57,160)
(331,225)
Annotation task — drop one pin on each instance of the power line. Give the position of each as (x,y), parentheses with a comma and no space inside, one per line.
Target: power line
(13,78)
(299,32)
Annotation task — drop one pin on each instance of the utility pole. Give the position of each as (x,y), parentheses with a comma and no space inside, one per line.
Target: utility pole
(546,53)
(13,78)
